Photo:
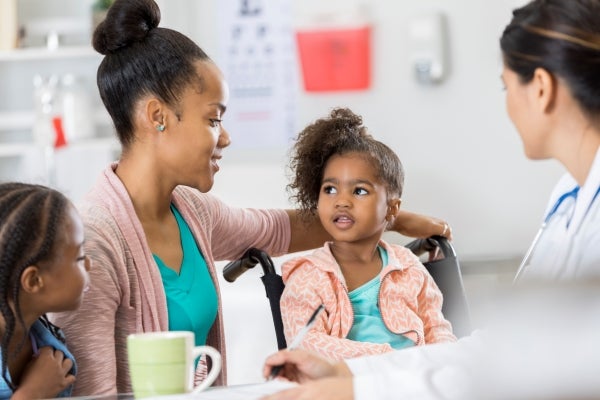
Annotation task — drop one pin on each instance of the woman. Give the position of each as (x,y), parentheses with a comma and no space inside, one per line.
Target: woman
(151,229)
(551,52)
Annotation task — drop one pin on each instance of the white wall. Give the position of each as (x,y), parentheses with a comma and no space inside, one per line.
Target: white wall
(463,158)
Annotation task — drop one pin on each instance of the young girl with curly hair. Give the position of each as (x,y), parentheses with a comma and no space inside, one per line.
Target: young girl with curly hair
(377,296)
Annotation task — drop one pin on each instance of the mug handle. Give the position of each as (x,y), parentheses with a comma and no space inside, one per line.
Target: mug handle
(215,370)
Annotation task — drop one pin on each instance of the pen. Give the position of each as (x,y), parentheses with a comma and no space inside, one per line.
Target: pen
(298,339)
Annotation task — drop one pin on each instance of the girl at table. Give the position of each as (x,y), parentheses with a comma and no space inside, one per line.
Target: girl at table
(42,269)
(377,296)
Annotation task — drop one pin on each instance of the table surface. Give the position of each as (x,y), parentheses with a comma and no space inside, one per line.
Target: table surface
(122,396)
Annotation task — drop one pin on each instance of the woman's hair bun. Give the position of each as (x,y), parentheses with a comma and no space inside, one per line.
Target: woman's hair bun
(127,22)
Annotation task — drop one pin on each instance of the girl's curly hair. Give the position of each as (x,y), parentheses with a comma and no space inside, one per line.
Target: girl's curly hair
(340,133)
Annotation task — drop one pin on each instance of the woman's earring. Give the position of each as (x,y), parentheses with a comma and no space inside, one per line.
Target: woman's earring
(160,127)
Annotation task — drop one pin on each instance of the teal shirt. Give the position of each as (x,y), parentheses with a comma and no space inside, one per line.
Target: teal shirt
(191,296)
(368,325)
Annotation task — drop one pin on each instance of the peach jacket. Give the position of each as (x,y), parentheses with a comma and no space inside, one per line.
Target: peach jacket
(409,300)
(126,292)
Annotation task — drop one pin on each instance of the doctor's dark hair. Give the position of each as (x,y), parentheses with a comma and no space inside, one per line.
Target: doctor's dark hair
(341,133)
(141,59)
(563,37)
(30,218)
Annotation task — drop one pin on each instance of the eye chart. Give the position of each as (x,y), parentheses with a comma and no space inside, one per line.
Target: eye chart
(258,57)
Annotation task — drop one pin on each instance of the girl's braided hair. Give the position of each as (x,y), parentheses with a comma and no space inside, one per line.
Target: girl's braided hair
(30,216)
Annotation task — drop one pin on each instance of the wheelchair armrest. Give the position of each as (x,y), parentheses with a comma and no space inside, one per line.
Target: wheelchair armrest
(422,246)
(251,257)
(272,282)
(448,277)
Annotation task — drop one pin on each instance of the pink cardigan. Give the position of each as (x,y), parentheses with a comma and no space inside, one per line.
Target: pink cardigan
(126,293)
(409,301)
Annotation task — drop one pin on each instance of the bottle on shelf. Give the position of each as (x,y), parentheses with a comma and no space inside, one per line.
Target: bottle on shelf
(46,121)
(77,115)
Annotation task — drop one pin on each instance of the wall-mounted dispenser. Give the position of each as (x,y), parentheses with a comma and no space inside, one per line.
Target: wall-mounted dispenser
(429,58)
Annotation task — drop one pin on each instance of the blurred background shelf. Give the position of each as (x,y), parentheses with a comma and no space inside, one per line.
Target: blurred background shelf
(24,119)
(22,149)
(54,60)
(8,150)
(43,53)
(14,149)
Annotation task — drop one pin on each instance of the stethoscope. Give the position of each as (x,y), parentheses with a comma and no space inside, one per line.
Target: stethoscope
(538,235)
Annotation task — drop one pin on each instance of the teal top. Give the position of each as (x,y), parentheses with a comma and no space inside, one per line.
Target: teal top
(368,325)
(191,296)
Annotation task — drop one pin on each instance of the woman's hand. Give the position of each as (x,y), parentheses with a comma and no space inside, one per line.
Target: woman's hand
(45,376)
(420,226)
(302,366)
(338,388)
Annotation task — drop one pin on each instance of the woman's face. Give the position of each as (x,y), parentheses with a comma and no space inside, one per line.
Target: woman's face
(522,113)
(66,276)
(197,136)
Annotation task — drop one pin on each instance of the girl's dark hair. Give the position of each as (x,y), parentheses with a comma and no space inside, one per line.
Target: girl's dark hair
(561,36)
(141,59)
(340,133)
(30,216)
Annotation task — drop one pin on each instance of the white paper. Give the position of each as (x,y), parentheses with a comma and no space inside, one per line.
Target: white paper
(236,392)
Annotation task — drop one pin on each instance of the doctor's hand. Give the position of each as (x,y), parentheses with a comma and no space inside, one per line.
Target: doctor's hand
(339,388)
(420,226)
(302,366)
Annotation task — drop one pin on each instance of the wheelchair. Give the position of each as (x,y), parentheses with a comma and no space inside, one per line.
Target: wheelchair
(445,271)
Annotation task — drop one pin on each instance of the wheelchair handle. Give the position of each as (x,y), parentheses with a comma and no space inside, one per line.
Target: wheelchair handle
(421,246)
(251,257)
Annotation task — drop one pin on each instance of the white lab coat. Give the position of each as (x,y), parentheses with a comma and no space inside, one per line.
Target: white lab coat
(570,250)
(540,342)
(525,358)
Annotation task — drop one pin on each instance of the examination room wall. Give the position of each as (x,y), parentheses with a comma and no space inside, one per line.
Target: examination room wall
(463,158)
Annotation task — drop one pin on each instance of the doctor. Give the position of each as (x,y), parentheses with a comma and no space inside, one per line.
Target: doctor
(552,77)
(551,52)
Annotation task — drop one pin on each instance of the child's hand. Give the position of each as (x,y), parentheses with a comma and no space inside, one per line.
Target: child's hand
(45,376)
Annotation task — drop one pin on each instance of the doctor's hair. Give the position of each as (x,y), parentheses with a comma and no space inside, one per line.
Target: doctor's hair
(340,133)
(142,59)
(562,37)
(30,218)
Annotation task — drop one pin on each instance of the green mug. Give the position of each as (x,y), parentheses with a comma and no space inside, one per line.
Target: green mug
(163,363)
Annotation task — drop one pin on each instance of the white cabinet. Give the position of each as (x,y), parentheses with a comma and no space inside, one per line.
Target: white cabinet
(75,165)
(78,164)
